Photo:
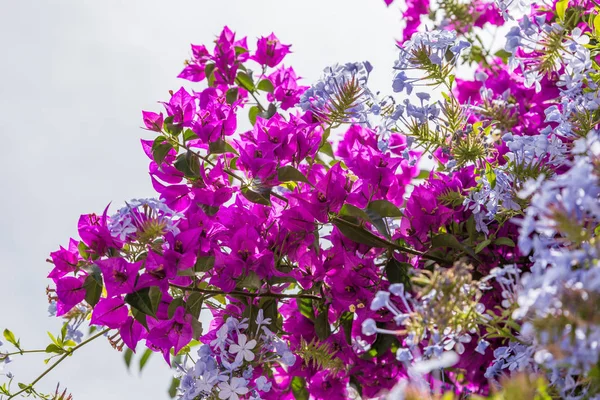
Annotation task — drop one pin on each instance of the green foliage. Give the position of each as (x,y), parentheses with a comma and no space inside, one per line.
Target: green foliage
(338,110)
(319,355)
(521,387)
(266,86)
(452,298)
(322,327)
(451,198)
(306,308)
(255,197)
(144,359)
(245,81)
(145,300)
(93,286)
(10,338)
(290,174)
(188,163)
(460,14)
(299,388)
(398,272)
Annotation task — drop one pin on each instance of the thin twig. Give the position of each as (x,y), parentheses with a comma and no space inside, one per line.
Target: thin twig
(251,295)
(67,354)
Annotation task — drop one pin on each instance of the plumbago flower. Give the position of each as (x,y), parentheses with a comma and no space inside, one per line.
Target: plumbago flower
(437,241)
(224,367)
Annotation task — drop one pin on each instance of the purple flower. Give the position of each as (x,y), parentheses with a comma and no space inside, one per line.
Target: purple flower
(70,292)
(153,121)
(176,332)
(119,275)
(182,107)
(110,312)
(270,51)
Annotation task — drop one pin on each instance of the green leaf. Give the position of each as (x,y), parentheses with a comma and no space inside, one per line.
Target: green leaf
(250,281)
(504,241)
(322,327)
(448,240)
(306,308)
(289,173)
(384,208)
(346,321)
(240,50)
(220,298)
(93,286)
(220,147)
(175,304)
(52,348)
(63,332)
(270,310)
(143,302)
(232,95)
(451,79)
(188,164)
(197,328)
(194,304)
(245,81)
(423,174)
(171,128)
(597,24)
(471,228)
(398,272)
(327,149)
(145,358)
(359,234)
(160,151)
(490,175)
(482,246)
(503,54)
(252,113)
(54,340)
(271,110)
(255,197)
(561,8)
(266,86)
(127,356)
(299,388)
(174,384)
(83,250)
(208,71)
(353,211)
(204,263)
(189,134)
(139,317)
(379,209)
(10,338)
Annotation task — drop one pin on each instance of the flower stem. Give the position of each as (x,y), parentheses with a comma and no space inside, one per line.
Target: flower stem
(4,355)
(67,354)
(247,294)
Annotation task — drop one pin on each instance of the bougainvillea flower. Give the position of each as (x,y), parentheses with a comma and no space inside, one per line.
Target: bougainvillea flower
(132,332)
(69,292)
(173,333)
(270,51)
(119,275)
(64,260)
(110,312)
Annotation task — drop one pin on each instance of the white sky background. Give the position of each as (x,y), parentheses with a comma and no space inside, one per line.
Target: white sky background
(75,75)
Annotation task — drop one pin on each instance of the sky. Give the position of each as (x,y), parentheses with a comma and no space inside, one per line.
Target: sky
(75,76)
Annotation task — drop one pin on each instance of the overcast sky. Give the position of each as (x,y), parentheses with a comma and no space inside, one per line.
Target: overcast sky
(75,75)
